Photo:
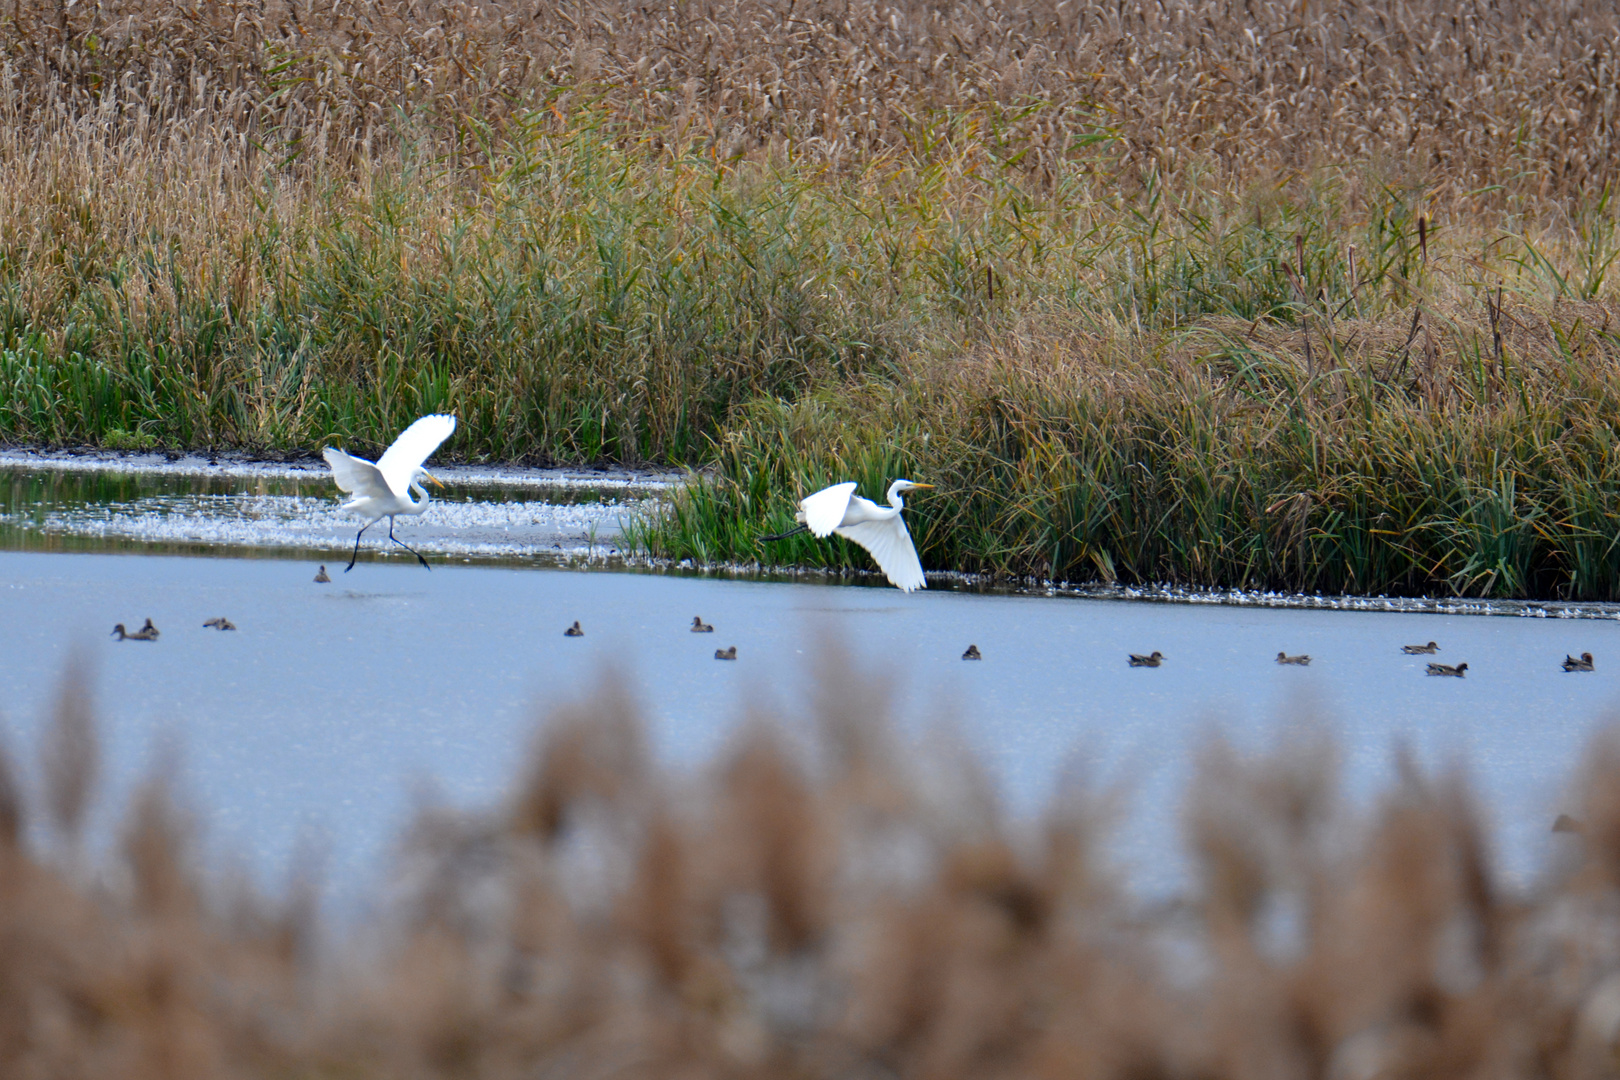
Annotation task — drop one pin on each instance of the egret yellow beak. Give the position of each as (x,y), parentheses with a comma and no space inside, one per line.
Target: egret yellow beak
(430,478)
(915,486)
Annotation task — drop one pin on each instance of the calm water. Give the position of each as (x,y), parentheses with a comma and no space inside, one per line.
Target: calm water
(331,701)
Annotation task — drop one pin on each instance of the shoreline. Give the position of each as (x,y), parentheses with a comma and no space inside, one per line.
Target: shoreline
(239,465)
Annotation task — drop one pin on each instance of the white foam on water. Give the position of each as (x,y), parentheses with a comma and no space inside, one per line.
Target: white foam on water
(313,520)
(234,466)
(482,529)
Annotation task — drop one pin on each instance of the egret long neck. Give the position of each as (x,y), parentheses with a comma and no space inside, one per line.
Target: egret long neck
(417,507)
(894,496)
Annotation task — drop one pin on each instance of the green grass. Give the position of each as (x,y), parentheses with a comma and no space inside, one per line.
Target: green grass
(578,305)
(1283,385)
(579,301)
(1185,392)
(1209,460)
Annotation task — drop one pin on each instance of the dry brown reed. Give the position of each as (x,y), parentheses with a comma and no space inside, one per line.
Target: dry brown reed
(1518,93)
(834,910)
(1438,446)
(70,756)
(629,232)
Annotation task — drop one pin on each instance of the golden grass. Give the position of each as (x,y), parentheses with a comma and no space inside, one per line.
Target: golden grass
(849,911)
(1518,94)
(1448,446)
(1278,233)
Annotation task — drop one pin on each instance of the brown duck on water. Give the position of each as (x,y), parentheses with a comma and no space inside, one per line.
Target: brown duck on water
(1566,824)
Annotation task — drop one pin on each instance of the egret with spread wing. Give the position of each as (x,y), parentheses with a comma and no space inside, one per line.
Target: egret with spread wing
(383,490)
(876,528)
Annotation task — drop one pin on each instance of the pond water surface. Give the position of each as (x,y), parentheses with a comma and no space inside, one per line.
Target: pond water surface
(332,702)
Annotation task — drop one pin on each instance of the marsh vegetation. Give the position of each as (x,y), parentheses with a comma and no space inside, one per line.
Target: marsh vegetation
(1216,294)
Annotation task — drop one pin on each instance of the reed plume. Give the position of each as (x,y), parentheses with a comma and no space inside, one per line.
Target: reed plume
(827,908)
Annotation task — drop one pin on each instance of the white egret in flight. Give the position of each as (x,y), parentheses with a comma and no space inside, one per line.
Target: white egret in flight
(876,528)
(384,490)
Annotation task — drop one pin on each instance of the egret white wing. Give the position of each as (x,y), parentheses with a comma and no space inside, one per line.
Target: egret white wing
(824,511)
(889,541)
(400,461)
(356,475)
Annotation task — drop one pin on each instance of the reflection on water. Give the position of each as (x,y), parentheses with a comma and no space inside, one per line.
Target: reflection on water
(482,514)
(330,702)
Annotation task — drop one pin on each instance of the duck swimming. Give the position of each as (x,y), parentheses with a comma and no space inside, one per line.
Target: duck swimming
(1447,669)
(1418,650)
(1565,823)
(146,633)
(1582,664)
(1152,660)
(574,631)
(320,576)
(1302,660)
(972,653)
(726,654)
(701,627)
(221,623)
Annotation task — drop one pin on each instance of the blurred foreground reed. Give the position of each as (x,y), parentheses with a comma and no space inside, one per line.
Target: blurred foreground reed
(817,907)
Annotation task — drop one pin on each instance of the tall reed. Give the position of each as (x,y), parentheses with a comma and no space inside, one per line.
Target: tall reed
(1513,94)
(1011,245)
(1209,404)
(850,911)
(580,303)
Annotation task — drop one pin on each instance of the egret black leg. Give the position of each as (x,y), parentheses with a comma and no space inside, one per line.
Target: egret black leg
(795,531)
(406,546)
(357,537)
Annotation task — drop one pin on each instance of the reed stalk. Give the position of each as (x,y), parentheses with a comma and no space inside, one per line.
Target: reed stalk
(863,909)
